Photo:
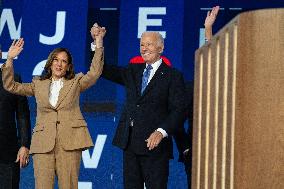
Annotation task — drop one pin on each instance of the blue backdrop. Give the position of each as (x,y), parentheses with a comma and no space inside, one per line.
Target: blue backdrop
(46,25)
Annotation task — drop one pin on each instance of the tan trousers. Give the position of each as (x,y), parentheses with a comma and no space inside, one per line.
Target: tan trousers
(64,164)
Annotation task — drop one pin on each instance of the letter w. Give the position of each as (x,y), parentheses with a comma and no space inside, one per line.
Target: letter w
(92,161)
(7,17)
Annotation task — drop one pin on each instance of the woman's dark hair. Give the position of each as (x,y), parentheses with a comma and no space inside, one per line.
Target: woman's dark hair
(47,73)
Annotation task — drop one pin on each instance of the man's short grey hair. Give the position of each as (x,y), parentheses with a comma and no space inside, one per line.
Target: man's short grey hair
(160,38)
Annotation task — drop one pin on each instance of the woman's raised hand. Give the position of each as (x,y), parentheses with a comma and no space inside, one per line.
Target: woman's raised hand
(16,48)
(211,17)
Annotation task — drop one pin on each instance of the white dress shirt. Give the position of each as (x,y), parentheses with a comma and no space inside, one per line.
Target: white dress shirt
(93,46)
(55,87)
(155,67)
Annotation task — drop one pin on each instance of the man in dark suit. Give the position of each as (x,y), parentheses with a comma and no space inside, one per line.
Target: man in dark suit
(15,137)
(155,106)
(183,138)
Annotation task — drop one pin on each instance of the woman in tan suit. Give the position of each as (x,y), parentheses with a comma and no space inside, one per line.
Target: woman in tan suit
(60,133)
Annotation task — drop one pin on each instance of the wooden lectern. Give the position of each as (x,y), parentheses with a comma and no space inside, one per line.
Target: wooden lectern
(238,130)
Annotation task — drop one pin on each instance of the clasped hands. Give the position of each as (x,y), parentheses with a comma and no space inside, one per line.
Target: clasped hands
(98,33)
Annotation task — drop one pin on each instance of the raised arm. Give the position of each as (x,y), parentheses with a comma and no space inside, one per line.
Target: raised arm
(96,68)
(9,82)
(209,21)
(111,71)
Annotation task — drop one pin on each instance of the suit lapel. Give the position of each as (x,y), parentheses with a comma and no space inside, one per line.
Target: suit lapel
(44,91)
(67,84)
(138,78)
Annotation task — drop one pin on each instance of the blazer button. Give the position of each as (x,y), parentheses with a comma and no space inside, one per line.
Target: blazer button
(57,122)
(137,105)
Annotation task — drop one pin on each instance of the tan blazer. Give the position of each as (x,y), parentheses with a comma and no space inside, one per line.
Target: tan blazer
(65,121)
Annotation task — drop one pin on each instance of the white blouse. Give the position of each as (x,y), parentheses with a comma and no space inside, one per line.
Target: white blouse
(55,87)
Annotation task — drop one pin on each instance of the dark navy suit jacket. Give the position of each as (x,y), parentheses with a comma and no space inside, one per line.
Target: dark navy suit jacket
(162,105)
(15,128)
(183,137)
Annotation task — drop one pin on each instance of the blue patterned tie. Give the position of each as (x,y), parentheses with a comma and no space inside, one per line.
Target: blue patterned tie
(145,77)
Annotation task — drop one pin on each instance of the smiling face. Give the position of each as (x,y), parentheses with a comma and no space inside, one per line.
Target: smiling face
(151,47)
(59,65)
